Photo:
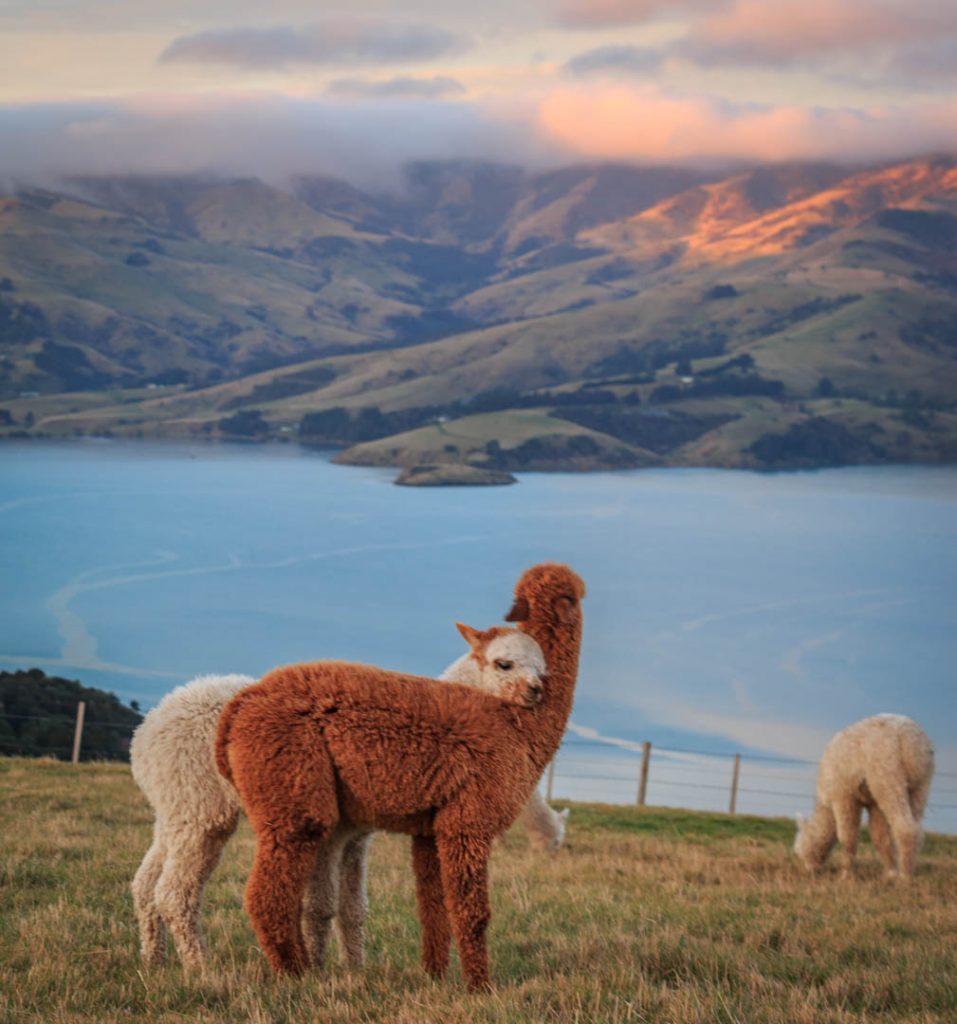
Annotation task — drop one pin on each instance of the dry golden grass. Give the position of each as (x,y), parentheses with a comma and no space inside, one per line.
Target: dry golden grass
(655,915)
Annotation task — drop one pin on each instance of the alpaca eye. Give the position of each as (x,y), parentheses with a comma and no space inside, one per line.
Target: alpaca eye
(504,666)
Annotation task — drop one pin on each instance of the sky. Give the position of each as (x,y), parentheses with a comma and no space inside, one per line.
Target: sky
(357,89)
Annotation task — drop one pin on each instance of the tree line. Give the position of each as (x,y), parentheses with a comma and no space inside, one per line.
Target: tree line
(38,717)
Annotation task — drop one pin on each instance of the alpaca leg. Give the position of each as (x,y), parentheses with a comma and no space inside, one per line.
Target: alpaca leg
(190,860)
(286,781)
(152,929)
(847,815)
(320,900)
(463,859)
(897,807)
(353,902)
(907,833)
(918,799)
(274,895)
(918,804)
(881,838)
(434,918)
(545,827)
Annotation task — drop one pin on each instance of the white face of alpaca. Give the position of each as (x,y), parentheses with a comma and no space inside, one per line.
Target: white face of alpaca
(512,667)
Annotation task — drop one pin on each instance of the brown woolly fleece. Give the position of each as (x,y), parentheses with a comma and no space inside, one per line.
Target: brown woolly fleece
(312,747)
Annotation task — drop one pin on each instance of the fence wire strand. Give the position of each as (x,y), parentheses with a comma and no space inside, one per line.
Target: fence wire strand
(664,771)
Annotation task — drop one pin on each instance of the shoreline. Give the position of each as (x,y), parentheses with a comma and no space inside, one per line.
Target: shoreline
(290,445)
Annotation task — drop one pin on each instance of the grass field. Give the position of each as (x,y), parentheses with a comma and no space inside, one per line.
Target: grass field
(651,915)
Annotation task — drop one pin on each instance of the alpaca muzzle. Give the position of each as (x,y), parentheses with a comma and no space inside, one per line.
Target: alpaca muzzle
(535,691)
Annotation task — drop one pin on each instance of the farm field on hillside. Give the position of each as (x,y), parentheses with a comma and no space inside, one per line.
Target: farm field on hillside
(646,915)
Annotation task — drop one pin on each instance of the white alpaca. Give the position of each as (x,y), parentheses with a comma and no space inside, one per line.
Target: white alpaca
(884,763)
(197,810)
(545,827)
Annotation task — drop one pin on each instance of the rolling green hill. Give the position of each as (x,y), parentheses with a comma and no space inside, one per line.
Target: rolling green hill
(593,316)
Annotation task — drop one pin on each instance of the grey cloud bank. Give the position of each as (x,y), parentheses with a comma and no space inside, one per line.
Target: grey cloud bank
(366,141)
(365,131)
(437,87)
(629,60)
(332,42)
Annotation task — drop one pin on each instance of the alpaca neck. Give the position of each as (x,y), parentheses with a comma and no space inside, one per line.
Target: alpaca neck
(821,834)
(561,645)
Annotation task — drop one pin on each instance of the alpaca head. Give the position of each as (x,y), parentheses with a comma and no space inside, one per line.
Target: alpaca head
(511,664)
(549,592)
(814,839)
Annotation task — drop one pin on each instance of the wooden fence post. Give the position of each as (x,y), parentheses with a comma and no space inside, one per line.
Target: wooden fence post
(78,732)
(550,779)
(643,780)
(734,783)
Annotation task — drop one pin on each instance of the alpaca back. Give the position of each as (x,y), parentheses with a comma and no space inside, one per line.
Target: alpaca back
(172,752)
(400,745)
(916,754)
(884,745)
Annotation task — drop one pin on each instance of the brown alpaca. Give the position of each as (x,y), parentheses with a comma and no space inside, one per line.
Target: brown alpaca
(315,748)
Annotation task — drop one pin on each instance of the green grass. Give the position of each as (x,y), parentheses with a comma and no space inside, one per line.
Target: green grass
(646,915)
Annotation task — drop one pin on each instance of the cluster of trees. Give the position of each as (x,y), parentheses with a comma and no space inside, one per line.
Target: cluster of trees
(714,387)
(286,386)
(245,423)
(70,366)
(553,453)
(805,311)
(38,718)
(656,354)
(366,424)
(654,430)
(815,442)
(21,321)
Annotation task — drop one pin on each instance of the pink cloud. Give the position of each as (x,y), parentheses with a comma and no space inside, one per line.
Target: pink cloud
(760,31)
(642,123)
(609,13)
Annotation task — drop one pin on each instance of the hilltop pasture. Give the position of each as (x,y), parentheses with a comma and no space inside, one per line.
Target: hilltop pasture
(646,915)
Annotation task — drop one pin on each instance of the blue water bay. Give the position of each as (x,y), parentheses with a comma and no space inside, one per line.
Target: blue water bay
(727,611)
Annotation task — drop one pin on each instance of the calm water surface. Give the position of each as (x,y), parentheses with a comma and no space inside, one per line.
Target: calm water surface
(727,611)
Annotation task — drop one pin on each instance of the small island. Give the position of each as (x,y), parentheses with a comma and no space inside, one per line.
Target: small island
(454,474)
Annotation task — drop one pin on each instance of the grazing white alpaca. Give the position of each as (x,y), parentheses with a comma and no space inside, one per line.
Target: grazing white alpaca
(197,810)
(884,763)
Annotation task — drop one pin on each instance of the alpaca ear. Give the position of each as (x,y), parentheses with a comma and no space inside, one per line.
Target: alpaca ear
(471,636)
(564,814)
(800,819)
(519,611)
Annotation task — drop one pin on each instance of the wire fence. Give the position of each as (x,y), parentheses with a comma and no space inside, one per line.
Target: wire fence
(615,772)
(73,737)
(742,783)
